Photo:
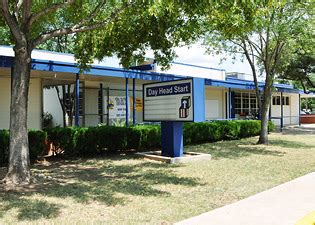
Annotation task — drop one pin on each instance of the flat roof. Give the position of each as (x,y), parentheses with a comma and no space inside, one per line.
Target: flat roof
(68,65)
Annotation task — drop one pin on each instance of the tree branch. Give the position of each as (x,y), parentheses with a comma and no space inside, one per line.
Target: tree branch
(18,6)
(304,87)
(92,14)
(310,82)
(252,65)
(77,28)
(11,21)
(27,12)
(50,9)
(255,46)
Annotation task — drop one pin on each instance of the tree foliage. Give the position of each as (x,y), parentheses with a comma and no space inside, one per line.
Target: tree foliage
(97,29)
(268,34)
(301,70)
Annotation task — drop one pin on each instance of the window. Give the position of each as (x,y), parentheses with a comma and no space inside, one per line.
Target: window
(276,100)
(246,103)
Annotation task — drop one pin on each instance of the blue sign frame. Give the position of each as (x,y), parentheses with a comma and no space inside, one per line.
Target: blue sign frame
(197,94)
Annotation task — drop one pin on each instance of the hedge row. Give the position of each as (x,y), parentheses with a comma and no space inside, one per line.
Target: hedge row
(221,130)
(36,141)
(78,141)
(93,140)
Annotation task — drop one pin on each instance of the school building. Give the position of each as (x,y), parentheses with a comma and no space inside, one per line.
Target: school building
(110,94)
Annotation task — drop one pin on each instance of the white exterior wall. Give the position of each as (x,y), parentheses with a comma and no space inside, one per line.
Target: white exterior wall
(295,109)
(214,103)
(5,90)
(34,103)
(193,71)
(290,112)
(52,105)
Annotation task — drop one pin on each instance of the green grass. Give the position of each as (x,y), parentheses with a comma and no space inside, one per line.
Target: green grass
(126,189)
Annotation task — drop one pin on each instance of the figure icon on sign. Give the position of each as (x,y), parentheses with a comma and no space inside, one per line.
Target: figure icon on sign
(184,107)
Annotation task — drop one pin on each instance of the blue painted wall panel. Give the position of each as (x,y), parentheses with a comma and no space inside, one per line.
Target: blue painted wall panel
(199,99)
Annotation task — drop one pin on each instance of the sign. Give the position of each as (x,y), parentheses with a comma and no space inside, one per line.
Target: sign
(117,107)
(139,104)
(169,101)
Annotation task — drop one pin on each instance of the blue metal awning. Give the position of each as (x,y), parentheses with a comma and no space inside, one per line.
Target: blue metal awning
(235,83)
(66,67)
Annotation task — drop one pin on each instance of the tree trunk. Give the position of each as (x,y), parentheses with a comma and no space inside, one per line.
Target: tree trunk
(19,161)
(263,138)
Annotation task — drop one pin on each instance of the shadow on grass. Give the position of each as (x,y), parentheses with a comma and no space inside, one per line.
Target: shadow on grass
(290,144)
(109,182)
(28,209)
(233,149)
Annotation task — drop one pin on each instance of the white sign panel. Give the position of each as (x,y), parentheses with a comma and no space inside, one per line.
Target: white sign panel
(168,101)
(117,107)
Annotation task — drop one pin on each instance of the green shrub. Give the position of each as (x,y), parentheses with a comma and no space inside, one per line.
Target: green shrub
(36,145)
(4,147)
(63,139)
(85,142)
(134,138)
(94,140)
(271,126)
(221,130)
(150,136)
(230,130)
(112,138)
(249,128)
(36,141)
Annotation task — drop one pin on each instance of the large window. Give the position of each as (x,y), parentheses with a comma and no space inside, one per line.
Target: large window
(246,104)
(276,100)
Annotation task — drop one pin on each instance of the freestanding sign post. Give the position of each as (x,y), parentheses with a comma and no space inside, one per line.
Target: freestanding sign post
(172,103)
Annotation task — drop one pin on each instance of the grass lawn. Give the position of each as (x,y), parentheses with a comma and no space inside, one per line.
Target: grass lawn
(126,189)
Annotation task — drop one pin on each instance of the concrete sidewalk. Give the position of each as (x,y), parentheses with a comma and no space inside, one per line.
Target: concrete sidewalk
(281,205)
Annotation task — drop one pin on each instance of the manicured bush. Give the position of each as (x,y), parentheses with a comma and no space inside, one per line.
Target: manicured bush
(149,136)
(94,140)
(36,141)
(112,138)
(221,130)
(4,147)
(85,142)
(63,140)
(271,126)
(36,145)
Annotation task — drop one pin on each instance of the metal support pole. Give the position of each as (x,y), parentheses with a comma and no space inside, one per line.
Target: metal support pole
(281,104)
(127,102)
(226,105)
(270,109)
(101,103)
(77,100)
(299,109)
(230,104)
(107,119)
(134,101)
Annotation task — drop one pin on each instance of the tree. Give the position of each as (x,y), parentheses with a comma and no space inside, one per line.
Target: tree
(124,28)
(302,70)
(267,40)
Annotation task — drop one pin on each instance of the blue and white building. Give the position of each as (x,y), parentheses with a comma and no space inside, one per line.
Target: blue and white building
(102,91)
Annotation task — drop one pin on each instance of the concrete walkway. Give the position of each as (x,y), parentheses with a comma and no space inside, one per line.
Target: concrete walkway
(281,205)
(304,129)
